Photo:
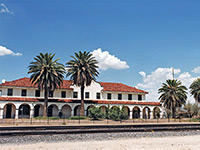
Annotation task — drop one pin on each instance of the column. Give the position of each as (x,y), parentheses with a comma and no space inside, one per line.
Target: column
(72,112)
(16,113)
(1,113)
(151,114)
(131,115)
(85,112)
(31,113)
(141,115)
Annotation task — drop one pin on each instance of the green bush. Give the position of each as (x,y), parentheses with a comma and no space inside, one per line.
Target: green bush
(95,113)
(77,117)
(117,114)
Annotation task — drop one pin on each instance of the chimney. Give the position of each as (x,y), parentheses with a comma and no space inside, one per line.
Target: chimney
(3,80)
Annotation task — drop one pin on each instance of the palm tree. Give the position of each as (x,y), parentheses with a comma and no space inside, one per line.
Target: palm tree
(47,74)
(195,89)
(173,95)
(82,71)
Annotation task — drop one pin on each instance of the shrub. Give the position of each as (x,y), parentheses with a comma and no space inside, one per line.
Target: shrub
(95,113)
(117,114)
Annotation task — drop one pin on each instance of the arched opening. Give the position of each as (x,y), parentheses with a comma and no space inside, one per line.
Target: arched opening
(103,109)
(156,113)
(9,111)
(87,110)
(136,113)
(77,110)
(114,107)
(66,111)
(38,110)
(146,113)
(53,111)
(24,111)
(127,110)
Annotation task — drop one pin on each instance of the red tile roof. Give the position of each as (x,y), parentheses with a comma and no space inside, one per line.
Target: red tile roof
(25,82)
(78,101)
(107,86)
(119,87)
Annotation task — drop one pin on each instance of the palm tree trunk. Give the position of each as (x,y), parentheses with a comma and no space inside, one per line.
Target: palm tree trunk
(82,111)
(45,102)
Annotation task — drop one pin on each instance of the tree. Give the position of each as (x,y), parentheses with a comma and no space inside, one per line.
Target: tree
(195,109)
(195,89)
(173,95)
(47,74)
(192,109)
(82,70)
(188,107)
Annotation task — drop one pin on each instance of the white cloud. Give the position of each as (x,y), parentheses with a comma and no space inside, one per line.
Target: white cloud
(153,82)
(106,60)
(196,70)
(4,9)
(143,74)
(6,51)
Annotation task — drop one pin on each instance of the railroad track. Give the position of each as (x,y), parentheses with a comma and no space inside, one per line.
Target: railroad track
(45,130)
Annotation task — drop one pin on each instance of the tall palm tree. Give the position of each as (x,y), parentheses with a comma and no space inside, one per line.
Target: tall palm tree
(195,89)
(173,95)
(82,71)
(47,74)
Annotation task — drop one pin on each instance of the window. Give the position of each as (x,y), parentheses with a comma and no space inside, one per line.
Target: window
(37,93)
(119,96)
(129,96)
(0,93)
(75,95)
(109,96)
(139,97)
(10,92)
(23,92)
(63,94)
(98,96)
(50,93)
(87,95)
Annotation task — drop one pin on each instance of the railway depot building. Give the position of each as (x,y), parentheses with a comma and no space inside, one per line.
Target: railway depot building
(21,99)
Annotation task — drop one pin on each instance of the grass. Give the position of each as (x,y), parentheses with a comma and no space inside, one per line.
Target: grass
(194,120)
(50,118)
(77,118)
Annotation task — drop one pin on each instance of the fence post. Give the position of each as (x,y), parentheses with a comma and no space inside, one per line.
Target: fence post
(47,120)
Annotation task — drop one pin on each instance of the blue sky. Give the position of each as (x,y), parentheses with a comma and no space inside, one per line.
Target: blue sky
(139,39)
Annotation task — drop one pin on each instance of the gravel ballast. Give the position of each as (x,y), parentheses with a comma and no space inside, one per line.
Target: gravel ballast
(30,139)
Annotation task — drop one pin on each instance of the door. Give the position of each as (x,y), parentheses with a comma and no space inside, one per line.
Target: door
(8,110)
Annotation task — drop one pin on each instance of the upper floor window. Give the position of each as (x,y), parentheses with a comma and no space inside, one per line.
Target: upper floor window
(50,93)
(98,96)
(75,94)
(109,96)
(63,94)
(119,96)
(139,97)
(10,92)
(87,95)
(129,96)
(24,92)
(0,93)
(37,93)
